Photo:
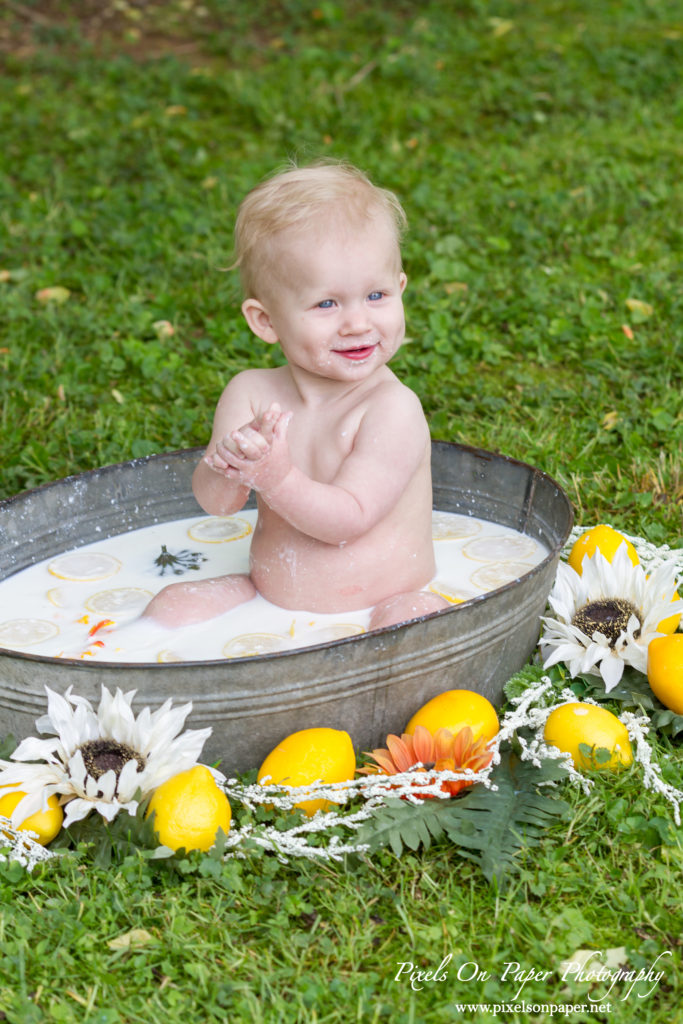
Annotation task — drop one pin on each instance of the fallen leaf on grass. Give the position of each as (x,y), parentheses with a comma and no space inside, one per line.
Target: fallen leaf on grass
(500,27)
(135,937)
(638,308)
(163,328)
(57,294)
(75,996)
(609,420)
(592,960)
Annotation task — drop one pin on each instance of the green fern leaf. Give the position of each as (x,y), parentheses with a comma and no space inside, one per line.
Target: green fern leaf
(399,823)
(489,826)
(494,825)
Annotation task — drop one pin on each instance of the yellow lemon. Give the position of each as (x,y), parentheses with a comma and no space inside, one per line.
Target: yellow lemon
(46,824)
(665,670)
(453,710)
(573,724)
(190,809)
(307,756)
(605,540)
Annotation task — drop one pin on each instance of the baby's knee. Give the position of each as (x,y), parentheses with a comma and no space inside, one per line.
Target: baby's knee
(404,607)
(171,601)
(238,586)
(187,602)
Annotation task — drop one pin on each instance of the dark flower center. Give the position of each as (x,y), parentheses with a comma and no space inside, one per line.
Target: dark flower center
(609,616)
(100,756)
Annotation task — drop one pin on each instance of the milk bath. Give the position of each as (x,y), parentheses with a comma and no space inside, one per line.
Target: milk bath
(85,604)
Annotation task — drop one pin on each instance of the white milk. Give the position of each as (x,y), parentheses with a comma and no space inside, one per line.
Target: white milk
(85,604)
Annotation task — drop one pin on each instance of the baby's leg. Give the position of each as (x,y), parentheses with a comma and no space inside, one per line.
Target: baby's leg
(181,604)
(403,607)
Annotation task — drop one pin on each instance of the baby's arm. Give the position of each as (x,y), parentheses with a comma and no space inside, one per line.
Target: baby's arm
(251,442)
(388,449)
(219,492)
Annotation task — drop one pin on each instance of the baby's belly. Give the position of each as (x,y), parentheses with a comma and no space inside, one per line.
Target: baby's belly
(297,572)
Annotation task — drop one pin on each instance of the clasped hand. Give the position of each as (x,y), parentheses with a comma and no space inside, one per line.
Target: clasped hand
(256,455)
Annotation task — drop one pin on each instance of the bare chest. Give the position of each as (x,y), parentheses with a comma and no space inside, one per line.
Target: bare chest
(320,441)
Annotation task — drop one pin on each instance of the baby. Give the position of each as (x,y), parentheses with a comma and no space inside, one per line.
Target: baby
(335,447)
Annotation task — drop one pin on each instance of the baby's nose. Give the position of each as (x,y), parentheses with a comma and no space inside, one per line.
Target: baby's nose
(356,320)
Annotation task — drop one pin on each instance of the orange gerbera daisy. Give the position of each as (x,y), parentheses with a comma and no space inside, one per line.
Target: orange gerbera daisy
(424,752)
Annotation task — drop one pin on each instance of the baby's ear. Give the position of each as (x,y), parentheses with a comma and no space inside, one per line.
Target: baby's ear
(258,318)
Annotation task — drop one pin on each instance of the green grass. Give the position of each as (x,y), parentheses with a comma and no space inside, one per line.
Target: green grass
(258,941)
(537,150)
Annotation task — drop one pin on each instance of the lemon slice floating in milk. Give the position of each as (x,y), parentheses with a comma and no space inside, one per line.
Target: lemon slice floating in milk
(449,593)
(60,597)
(248,645)
(119,601)
(490,577)
(336,631)
(26,632)
(84,566)
(219,529)
(500,549)
(449,526)
(167,656)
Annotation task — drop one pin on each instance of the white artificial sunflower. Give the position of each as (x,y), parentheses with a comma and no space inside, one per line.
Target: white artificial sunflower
(99,761)
(606,617)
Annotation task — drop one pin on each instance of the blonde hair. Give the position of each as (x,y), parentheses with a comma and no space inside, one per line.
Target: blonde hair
(295,198)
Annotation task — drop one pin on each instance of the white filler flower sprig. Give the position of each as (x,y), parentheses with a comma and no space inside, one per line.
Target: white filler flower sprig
(529,711)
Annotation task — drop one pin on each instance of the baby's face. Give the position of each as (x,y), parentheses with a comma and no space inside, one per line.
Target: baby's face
(336,307)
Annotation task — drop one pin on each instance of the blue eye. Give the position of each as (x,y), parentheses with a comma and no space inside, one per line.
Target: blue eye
(326,304)
(374,296)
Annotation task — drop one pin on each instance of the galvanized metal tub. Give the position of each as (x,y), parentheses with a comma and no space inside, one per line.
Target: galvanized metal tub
(369,685)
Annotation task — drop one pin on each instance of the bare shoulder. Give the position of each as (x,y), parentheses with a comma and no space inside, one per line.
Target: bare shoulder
(253,381)
(256,387)
(246,395)
(393,424)
(391,397)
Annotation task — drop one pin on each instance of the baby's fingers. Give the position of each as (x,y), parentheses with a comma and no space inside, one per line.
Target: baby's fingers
(250,443)
(219,459)
(268,421)
(282,425)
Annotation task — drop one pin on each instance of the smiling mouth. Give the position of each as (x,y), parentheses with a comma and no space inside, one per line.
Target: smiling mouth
(356,353)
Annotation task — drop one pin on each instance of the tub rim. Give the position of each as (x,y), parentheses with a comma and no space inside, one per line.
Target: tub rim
(75,663)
